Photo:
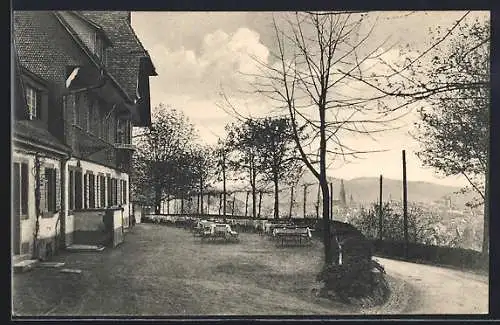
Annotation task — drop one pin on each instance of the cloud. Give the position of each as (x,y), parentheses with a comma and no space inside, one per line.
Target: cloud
(224,59)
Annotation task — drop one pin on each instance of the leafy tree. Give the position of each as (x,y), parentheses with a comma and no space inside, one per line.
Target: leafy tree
(278,155)
(222,152)
(163,162)
(204,163)
(451,79)
(243,143)
(422,226)
(454,129)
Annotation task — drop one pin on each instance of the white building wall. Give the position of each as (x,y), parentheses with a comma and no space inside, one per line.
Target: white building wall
(49,226)
(97,169)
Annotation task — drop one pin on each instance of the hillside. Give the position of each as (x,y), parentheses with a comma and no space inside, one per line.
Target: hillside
(365,190)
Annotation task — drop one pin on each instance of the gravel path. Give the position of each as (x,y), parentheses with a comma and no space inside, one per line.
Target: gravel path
(162,271)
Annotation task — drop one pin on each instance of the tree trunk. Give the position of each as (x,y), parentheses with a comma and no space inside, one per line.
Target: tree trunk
(276,198)
(254,196)
(327,238)
(201,195)
(224,187)
(486,221)
(317,202)
(246,204)
(157,199)
(305,200)
(220,202)
(291,202)
(260,201)
(208,203)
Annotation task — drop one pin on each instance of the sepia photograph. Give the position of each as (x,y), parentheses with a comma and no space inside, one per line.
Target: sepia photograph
(249,163)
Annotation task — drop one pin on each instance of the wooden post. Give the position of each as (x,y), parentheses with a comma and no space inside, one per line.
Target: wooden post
(220,202)
(305,199)
(405,205)
(380,212)
(168,205)
(246,204)
(331,201)
(201,195)
(234,199)
(291,202)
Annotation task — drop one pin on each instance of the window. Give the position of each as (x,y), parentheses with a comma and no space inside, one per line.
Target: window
(76,112)
(20,188)
(111,128)
(124,191)
(115,191)
(50,189)
(78,190)
(33,101)
(103,125)
(91,181)
(96,124)
(102,189)
(88,116)
(110,192)
(85,191)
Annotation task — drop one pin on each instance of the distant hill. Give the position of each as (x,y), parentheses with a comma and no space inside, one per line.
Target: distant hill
(364,190)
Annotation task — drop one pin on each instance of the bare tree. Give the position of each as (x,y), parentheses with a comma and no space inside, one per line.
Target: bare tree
(308,78)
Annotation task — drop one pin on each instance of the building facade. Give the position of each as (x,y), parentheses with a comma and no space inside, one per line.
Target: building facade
(81,83)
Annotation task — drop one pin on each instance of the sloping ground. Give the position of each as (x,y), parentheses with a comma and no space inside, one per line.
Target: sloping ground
(164,271)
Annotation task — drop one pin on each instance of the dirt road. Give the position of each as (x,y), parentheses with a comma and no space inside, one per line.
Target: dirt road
(438,290)
(161,271)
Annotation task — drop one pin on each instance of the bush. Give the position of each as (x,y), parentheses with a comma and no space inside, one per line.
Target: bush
(357,279)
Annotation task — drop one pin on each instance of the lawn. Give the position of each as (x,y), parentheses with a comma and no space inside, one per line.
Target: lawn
(162,270)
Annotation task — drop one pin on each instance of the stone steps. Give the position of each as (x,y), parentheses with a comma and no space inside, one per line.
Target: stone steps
(84,248)
(24,265)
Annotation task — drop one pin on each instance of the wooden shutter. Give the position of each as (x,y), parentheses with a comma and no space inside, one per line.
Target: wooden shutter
(57,193)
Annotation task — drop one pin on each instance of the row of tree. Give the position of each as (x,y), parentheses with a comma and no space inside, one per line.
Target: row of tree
(170,163)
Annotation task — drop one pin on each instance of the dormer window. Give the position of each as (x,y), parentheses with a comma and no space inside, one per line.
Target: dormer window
(33,100)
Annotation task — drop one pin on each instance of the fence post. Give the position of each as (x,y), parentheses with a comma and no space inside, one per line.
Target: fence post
(380,211)
(305,198)
(405,205)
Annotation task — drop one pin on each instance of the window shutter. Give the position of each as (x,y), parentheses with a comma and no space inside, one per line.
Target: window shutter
(97,192)
(17,189)
(85,191)
(43,193)
(118,191)
(57,191)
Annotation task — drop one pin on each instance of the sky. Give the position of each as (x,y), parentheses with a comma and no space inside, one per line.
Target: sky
(199,54)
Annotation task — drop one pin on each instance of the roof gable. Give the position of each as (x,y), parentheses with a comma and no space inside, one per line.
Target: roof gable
(125,56)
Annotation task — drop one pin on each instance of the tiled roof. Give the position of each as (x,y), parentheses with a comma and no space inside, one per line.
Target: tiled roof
(124,56)
(43,46)
(27,130)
